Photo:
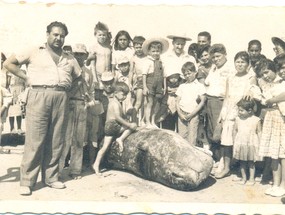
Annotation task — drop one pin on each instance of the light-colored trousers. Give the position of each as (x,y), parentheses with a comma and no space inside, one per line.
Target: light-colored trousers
(45,129)
(188,130)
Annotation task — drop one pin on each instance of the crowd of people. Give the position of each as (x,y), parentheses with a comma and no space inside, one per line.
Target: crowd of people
(77,98)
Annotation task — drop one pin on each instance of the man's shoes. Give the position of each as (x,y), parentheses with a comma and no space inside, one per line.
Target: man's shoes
(56,185)
(25,191)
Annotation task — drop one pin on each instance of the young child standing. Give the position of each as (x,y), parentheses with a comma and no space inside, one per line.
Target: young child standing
(246,134)
(99,57)
(187,106)
(123,75)
(115,123)
(122,48)
(138,62)
(154,80)
(168,116)
(240,85)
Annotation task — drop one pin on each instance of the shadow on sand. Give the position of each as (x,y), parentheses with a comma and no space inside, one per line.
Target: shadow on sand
(13,175)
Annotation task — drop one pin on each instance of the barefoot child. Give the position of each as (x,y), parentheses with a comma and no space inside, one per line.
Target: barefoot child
(246,134)
(115,123)
(154,80)
(138,62)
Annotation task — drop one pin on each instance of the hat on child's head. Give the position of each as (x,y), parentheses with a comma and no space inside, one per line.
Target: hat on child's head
(123,59)
(163,42)
(107,76)
(79,48)
(172,37)
(278,41)
(138,39)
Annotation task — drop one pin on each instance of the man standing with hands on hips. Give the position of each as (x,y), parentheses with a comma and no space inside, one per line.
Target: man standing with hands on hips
(50,73)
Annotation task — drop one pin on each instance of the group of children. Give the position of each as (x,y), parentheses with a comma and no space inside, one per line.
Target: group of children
(126,88)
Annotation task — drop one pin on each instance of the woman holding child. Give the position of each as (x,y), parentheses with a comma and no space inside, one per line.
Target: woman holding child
(238,86)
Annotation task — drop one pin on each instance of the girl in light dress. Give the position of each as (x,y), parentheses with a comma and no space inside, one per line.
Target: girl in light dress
(272,144)
(240,85)
(122,48)
(246,134)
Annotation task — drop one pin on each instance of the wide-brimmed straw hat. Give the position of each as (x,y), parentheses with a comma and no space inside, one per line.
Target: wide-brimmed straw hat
(164,42)
(278,41)
(179,36)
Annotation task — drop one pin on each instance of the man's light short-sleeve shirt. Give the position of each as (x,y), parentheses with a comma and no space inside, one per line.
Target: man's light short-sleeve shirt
(42,70)
(173,63)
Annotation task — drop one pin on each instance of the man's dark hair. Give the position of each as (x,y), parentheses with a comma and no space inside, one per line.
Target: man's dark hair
(57,24)
(205,34)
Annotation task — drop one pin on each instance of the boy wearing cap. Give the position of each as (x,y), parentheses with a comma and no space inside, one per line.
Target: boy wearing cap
(77,115)
(123,75)
(154,79)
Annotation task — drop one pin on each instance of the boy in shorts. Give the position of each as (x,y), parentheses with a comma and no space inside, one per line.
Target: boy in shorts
(154,80)
(115,123)
(138,62)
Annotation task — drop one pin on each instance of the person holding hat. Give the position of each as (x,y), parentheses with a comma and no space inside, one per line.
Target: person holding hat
(154,78)
(279,45)
(76,129)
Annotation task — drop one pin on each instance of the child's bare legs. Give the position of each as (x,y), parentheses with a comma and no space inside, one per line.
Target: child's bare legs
(276,190)
(243,172)
(139,99)
(101,153)
(120,140)
(251,166)
(156,107)
(148,109)
(276,171)
(282,184)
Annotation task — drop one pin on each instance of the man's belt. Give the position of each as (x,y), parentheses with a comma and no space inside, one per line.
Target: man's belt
(49,87)
(76,99)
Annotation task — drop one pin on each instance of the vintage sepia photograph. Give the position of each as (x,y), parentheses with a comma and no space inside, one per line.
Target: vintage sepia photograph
(142,108)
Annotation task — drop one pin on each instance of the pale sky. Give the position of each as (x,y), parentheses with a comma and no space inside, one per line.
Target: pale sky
(23,25)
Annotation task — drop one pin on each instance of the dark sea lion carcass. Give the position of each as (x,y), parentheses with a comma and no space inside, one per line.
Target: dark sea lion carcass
(162,156)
